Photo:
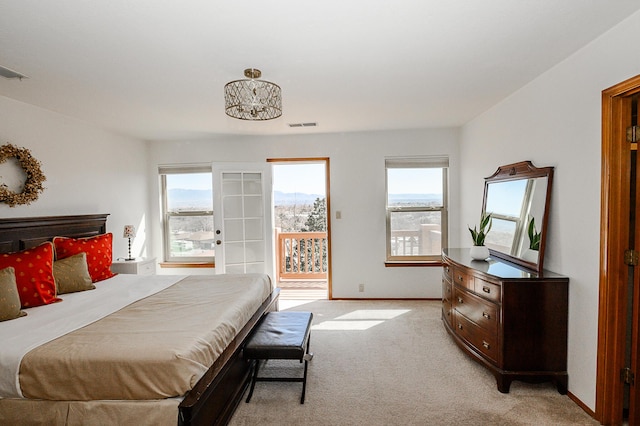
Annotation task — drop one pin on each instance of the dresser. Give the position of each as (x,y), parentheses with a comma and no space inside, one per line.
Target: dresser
(509,319)
(139,266)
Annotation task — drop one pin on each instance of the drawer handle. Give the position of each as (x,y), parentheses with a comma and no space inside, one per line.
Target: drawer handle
(486,345)
(486,315)
(486,289)
(460,278)
(460,326)
(460,300)
(446,268)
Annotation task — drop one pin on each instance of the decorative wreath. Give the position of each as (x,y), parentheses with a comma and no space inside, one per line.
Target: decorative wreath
(31,167)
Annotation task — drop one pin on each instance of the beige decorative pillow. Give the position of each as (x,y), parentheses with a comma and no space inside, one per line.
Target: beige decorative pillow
(72,274)
(9,298)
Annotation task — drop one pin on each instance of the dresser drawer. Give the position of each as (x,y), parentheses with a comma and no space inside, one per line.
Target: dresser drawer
(481,312)
(483,342)
(447,290)
(488,290)
(447,271)
(462,278)
(446,301)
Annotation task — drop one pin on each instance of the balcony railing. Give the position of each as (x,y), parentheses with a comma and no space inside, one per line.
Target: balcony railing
(301,255)
(425,241)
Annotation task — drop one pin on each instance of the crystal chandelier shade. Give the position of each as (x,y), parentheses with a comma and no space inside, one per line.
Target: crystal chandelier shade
(252,99)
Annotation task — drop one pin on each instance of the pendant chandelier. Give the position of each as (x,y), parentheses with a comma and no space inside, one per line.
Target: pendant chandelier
(252,99)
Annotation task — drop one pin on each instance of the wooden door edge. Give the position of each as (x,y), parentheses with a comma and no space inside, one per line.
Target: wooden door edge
(612,297)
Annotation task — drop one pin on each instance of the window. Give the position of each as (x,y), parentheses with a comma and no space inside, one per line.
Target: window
(187,212)
(416,208)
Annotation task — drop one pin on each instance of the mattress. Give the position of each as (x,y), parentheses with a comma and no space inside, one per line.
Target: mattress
(154,348)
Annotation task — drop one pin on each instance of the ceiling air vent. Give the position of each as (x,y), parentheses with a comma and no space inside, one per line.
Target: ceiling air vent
(7,73)
(303,124)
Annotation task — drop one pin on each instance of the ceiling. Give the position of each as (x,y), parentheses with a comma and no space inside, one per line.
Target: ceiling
(155,69)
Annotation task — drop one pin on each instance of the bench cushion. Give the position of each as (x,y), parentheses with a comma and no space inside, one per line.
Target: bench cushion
(280,335)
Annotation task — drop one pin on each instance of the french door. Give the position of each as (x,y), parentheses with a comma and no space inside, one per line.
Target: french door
(242,218)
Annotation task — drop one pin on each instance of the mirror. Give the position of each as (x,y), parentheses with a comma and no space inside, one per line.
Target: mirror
(517,196)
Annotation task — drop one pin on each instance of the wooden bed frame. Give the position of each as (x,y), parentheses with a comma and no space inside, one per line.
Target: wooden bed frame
(214,398)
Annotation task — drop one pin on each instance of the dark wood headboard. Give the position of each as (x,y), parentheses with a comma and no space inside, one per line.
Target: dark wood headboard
(26,232)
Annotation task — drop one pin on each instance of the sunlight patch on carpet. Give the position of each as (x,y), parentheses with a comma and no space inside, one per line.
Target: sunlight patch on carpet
(346,325)
(383,314)
(361,319)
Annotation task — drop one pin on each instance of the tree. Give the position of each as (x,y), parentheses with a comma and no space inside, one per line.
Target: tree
(317,219)
(316,222)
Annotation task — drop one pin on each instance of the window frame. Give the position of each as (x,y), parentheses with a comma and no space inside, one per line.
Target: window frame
(166,215)
(435,162)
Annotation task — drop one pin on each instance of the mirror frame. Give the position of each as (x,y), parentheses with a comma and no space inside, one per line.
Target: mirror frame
(517,171)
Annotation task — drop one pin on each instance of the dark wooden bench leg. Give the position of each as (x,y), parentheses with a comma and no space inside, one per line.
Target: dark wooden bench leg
(256,366)
(307,357)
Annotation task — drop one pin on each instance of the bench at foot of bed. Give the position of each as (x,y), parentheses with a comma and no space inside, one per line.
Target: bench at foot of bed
(280,335)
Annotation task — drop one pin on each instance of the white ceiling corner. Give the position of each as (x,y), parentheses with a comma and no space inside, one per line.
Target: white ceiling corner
(155,70)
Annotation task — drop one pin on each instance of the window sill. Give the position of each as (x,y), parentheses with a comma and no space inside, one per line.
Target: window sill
(187,265)
(412,263)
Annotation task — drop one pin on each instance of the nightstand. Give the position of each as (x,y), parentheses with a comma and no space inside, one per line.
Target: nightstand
(140,266)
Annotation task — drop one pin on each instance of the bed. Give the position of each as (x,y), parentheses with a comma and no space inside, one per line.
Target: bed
(71,379)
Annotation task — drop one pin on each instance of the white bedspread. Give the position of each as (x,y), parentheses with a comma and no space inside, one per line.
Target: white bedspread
(46,323)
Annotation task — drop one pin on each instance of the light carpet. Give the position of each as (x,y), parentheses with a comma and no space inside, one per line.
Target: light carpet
(393,363)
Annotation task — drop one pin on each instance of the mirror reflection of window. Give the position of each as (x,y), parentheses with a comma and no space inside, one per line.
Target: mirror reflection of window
(505,198)
(506,201)
(512,204)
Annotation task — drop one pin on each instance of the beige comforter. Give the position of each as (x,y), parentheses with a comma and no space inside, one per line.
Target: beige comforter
(155,348)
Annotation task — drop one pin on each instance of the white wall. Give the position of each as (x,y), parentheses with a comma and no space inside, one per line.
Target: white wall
(88,170)
(357,190)
(555,121)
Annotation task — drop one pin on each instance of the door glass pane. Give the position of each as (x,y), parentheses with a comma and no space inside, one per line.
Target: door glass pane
(234,252)
(253,229)
(253,187)
(254,251)
(233,229)
(253,206)
(232,183)
(416,233)
(255,268)
(236,269)
(232,207)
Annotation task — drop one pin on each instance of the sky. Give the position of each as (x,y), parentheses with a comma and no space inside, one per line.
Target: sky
(309,178)
(415,181)
(189,180)
(303,178)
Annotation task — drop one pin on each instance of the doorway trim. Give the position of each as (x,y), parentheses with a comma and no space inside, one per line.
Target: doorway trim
(614,227)
(327,181)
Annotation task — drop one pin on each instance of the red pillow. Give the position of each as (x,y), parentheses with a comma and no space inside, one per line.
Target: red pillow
(34,274)
(99,251)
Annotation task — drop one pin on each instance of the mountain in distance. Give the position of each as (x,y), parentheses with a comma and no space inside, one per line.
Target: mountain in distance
(396,198)
(289,198)
(201,198)
(190,199)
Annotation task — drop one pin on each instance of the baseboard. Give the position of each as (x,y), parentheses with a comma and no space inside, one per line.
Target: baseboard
(581,404)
